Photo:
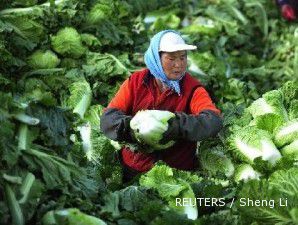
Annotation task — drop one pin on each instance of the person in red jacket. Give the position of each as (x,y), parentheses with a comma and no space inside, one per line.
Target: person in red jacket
(163,85)
(288,9)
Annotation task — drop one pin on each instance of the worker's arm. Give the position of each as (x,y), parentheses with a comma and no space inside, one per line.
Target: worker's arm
(203,122)
(114,122)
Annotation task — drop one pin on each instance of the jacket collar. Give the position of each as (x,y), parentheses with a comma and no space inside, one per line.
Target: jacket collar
(149,76)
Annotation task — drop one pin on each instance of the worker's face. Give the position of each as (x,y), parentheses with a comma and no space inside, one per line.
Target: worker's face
(174,64)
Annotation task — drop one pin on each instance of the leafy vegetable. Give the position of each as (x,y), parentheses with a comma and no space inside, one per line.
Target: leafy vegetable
(269,122)
(271,103)
(149,127)
(16,212)
(290,92)
(80,97)
(26,187)
(67,42)
(250,143)
(70,216)
(291,150)
(104,66)
(216,162)
(100,12)
(293,109)
(286,133)
(273,192)
(172,185)
(43,60)
(245,172)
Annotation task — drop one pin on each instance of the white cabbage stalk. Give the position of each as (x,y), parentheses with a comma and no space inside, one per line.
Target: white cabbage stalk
(245,172)
(24,118)
(250,143)
(267,151)
(149,127)
(23,137)
(286,133)
(85,132)
(115,144)
(191,209)
(80,97)
(260,107)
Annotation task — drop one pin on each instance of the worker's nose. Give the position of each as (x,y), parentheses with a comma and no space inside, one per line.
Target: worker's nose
(178,63)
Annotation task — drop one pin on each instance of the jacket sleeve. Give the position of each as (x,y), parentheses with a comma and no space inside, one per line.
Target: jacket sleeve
(203,122)
(194,127)
(114,122)
(123,98)
(115,125)
(201,101)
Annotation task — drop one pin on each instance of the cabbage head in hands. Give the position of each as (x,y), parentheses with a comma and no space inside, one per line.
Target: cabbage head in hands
(148,127)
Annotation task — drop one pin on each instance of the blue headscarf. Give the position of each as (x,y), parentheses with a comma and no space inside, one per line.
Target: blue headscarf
(153,62)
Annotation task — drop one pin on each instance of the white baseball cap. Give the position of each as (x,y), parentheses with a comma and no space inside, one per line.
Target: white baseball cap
(172,42)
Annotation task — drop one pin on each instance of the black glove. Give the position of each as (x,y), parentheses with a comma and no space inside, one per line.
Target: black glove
(193,127)
(115,125)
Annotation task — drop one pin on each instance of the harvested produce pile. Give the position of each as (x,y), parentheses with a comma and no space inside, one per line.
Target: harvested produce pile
(61,63)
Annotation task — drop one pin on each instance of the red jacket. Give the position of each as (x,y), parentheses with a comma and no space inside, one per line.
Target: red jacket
(141,92)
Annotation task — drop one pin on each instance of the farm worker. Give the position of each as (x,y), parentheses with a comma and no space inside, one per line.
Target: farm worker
(288,9)
(163,85)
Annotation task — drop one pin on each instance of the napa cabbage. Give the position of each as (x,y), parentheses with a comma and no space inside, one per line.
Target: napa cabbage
(293,109)
(269,111)
(149,126)
(68,42)
(269,122)
(94,143)
(291,150)
(26,28)
(281,186)
(205,63)
(290,92)
(90,40)
(100,12)
(271,102)
(214,161)
(80,97)
(70,216)
(250,143)
(287,133)
(101,152)
(93,115)
(43,60)
(202,25)
(173,184)
(245,172)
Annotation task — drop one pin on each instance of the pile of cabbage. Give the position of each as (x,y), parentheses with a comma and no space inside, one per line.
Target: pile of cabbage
(266,136)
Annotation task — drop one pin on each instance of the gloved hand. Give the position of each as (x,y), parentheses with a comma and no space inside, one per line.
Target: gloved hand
(115,125)
(172,133)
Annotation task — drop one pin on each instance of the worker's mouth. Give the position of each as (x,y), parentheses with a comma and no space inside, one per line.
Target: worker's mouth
(177,73)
